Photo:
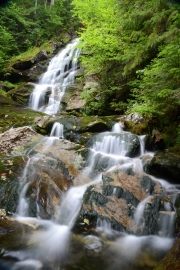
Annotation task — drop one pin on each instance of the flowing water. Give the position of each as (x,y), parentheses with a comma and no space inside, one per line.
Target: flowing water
(57,130)
(47,95)
(51,245)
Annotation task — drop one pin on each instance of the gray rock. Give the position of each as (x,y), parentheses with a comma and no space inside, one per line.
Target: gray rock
(165,165)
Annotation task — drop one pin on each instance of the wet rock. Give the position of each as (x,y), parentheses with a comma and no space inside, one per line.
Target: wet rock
(171,260)
(93,245)
(11,170)
(116,199)
(165,165)
(49,173)
(157,218)
(52,170)
(131,141)
(177,205)
(73,126)
(12,232)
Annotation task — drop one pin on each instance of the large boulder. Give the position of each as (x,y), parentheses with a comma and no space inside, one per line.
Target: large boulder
(74,127)
(116,200)
(18,140)
(165,165)
(51,167)
(27,64)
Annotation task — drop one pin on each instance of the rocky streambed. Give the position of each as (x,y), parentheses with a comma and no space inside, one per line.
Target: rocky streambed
(96,197)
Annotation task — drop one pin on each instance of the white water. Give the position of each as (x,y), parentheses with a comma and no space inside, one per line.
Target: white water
(51,239)
(47,94)
(57,130)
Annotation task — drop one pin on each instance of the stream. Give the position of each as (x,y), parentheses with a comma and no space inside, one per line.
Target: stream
(52,244)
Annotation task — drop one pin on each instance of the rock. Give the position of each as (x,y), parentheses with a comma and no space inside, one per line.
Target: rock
(177,205)
(17,116)
(115,200)
(171,260)
(75,103)
(71,100)
(22,94)
(73,126)
(11,170)
(24,65)
(18,140)
(135,123)
(23,71)
(2,213)
(93,245)
(54,168)
(12,75)
(165,165)
(131,140)
(134,117)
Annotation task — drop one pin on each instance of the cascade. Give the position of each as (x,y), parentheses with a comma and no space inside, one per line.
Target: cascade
(52,239)
(47,94)
(49,245)
(57,130)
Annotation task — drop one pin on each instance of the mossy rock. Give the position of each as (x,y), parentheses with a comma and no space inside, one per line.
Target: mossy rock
(137,128)
(12,116)
(22,93)
(73,126)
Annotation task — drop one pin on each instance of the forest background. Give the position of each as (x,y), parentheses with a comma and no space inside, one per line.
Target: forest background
(132,48)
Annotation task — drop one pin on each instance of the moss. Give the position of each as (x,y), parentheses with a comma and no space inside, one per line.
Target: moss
(139,129)
(28,55)
(11,116)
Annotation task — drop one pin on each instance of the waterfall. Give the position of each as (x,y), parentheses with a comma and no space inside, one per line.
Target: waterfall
(47,94)
(57,130)
(50,240)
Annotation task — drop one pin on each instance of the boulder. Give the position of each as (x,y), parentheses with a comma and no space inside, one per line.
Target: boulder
(116,200)
(11,171)
(12,115)
(71,100)
(126,144)
(18,140)
(52,167)
(27,64)
(74,127)
(165,165)
(21,94)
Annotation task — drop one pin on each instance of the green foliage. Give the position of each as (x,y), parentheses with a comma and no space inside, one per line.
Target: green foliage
(24,26)
(159,91)
(133,47)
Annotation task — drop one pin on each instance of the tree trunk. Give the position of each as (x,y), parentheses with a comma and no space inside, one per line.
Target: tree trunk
(35,6)
(52,3)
